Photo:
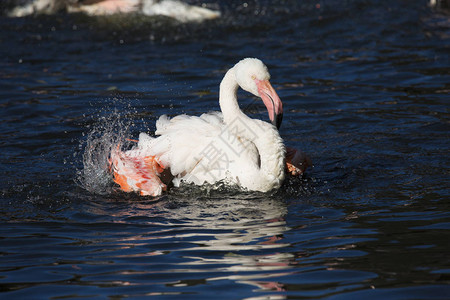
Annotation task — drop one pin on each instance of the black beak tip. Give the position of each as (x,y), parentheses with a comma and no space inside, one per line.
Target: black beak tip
(277,120)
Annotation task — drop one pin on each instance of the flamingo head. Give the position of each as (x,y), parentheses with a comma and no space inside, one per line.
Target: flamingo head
(252,76)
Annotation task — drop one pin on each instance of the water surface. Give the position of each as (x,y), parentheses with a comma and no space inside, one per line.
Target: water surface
(365,87)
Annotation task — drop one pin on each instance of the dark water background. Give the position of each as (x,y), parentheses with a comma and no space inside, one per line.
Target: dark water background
(365,86)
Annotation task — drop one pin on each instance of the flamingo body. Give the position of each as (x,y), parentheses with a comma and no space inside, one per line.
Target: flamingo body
(175,9)
(218,146)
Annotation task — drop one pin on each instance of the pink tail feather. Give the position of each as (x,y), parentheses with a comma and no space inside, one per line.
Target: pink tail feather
(137,173)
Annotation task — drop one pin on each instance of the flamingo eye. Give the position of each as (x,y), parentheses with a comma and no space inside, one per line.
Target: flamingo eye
(253,77)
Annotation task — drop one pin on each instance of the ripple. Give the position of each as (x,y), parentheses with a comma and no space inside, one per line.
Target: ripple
(364,87)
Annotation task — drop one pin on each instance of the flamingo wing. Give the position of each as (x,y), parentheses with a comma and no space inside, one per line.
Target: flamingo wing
(135,171)
(200,149)
(194,149)
(181,140)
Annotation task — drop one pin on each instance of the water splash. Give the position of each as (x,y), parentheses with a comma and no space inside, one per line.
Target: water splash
(108,132)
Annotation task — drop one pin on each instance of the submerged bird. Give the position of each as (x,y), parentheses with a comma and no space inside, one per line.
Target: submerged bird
(171,8)
(224,146)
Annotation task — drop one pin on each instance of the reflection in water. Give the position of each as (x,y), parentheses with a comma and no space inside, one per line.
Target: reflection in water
(215,236)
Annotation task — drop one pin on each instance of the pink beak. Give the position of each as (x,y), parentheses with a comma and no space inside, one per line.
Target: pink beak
(271,100)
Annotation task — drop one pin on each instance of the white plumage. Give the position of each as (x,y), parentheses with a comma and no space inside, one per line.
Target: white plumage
(227,146)
(175,9)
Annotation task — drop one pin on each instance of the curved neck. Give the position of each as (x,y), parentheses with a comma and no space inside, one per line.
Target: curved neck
(228,98)
(262,134)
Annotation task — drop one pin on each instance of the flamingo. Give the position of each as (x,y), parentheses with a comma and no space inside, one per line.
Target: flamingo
(175,9)
(224,146)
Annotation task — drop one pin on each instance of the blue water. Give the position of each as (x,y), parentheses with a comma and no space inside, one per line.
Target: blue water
(365,87)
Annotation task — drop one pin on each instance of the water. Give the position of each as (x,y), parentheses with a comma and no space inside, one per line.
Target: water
(365,87)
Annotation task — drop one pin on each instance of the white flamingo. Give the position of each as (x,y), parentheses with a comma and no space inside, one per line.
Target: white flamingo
(216,146)
(176,9)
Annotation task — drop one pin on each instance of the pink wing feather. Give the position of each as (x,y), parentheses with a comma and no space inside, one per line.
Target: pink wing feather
(137,173)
